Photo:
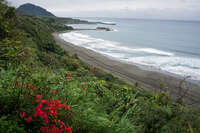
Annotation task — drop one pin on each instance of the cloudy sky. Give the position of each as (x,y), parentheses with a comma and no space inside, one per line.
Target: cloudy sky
(153,9)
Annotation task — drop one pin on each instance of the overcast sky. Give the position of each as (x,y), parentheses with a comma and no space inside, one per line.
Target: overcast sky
(153,9)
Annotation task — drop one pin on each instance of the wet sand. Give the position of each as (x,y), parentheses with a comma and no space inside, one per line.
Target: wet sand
(131,73)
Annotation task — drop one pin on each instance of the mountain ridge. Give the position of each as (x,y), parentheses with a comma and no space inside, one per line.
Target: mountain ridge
(34,10)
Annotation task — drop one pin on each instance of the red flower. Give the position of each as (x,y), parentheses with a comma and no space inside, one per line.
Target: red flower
(49,108)
(83,88)
(62,123)
(22,115)
(45,129)
(16,84)
(29,119)
(43,101)
(33,88)
(54,91)
(68,129)
(38,97)
(66,107)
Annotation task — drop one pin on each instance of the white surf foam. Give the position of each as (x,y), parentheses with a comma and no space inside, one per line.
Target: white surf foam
(81,39)
(166,61)
(154,51)
(104,22)
(85,40)
(108,22)
(177,65)
(115,30)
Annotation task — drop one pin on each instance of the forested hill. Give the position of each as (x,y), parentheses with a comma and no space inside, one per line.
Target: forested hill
(33,10)
(37,11)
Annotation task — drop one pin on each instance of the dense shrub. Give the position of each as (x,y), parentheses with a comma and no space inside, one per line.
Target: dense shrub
(10,126)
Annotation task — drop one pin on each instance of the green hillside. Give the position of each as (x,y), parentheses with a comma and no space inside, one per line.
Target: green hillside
(46,89)
(36,11)
(33,10)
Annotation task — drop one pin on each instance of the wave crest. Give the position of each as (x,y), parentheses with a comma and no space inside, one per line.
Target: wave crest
(164,60)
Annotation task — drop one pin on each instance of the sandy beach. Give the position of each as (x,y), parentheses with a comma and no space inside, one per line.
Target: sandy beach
(132,73)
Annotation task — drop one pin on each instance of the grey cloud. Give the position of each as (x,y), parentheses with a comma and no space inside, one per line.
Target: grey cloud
(159,9)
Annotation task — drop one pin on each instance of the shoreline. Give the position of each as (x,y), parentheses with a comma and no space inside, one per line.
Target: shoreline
(131,73)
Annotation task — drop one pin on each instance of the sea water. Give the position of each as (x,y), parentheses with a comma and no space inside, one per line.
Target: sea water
(167,45)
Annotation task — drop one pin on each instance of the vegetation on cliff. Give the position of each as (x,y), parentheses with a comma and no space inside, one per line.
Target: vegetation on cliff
(46,89)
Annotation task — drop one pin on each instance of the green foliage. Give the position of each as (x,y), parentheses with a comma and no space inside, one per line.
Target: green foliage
(39,30)
(10,126)
(70,63)
(10,48)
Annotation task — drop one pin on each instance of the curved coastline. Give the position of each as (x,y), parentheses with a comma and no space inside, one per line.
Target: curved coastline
(132,73)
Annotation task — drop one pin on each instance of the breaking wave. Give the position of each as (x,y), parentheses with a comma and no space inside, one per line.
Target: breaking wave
(163,60)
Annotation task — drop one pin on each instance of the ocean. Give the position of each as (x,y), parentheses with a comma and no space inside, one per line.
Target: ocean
(165,45)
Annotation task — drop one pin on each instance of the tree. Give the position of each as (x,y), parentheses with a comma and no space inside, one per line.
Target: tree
(10,45)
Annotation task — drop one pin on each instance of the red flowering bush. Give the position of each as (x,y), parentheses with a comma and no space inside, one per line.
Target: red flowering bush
(47,110)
